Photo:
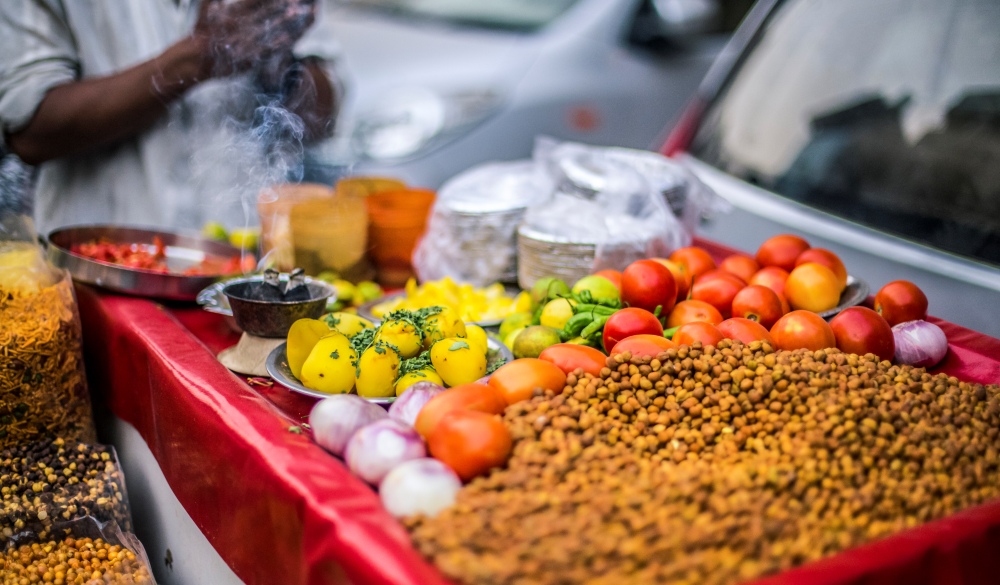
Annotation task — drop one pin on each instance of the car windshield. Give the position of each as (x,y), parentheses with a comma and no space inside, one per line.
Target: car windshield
(512,14)
(883,112)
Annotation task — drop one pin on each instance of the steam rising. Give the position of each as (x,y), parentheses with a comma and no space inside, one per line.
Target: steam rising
(257,144)
(15,182)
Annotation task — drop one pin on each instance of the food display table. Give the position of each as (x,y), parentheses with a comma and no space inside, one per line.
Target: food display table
(278,509)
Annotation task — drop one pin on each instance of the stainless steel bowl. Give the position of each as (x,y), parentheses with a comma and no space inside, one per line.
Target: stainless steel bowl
(182,251)
(273,318)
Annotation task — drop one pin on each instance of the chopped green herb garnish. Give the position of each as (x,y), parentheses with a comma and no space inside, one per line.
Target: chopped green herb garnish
(335,354)
(493,366)
(363,340)
(415,364)
(458,345)
(416,318)
(295,429)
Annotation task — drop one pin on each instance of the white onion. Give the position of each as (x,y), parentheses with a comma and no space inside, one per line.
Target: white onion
(421,486)
(919,343)
(334,419)
(408,405)
(379,447)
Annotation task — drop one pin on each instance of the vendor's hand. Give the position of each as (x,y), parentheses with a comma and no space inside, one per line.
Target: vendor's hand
(239,35)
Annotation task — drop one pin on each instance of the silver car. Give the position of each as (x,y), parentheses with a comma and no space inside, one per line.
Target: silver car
(869,127)
(436,86)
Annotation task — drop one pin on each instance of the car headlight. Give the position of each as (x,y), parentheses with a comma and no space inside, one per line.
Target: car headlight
(408,121)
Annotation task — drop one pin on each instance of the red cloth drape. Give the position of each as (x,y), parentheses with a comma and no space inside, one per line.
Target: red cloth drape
(279,509)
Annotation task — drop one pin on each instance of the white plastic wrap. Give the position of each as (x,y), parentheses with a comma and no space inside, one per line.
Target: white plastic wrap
(687,197)
(471,232)
(613,205)
(605,201)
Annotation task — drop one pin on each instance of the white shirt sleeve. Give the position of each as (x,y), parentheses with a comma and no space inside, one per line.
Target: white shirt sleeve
(37,53)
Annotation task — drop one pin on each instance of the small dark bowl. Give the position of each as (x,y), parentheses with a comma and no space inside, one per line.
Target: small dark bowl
(274,318)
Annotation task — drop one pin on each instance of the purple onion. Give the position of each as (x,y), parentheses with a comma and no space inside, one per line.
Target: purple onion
(407,406)
(919,343)
(379,447)
(421,486)
(336,418)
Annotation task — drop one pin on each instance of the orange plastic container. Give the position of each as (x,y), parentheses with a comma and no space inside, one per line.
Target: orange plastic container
(396,220)
(361,186)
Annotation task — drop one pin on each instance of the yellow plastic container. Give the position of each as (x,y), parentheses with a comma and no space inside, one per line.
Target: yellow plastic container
(330,234)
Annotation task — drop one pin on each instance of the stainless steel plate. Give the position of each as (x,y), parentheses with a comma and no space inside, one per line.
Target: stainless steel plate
(182,250)
(277,367)
(854,293)
(365,310)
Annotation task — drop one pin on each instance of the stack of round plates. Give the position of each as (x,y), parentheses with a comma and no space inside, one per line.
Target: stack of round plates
(541,255)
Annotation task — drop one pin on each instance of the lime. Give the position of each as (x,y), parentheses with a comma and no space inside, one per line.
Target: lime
(513,322)
(345,290)
(556,313)
(532,341)
(369,290)
(245,238)
(214,230)
(511,337)
(599,287)
(547,288)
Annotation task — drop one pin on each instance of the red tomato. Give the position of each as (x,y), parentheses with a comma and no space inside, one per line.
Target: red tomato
(781,251)
(717,288)
(681,276)
(470,442)
(772,277)
(689,311)
(473,396)
(826,258)
(570,357)
(812,287)
(517,380)
(758,303)
(629,322)
(740,265)
(901,301)
(745,331)
(643,345)
(647,284)
(803,329)
(695,260)
(706,333)
(861,330)
(613,275)
(785,307)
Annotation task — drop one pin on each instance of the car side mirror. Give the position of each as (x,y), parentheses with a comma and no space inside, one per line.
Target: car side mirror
(682,19)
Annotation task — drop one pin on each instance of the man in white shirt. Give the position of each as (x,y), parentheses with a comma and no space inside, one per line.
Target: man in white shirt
(165,113)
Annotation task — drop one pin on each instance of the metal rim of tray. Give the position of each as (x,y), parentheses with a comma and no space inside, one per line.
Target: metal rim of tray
(181,247)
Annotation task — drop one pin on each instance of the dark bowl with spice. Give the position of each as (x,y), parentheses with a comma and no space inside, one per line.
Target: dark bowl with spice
(273,318)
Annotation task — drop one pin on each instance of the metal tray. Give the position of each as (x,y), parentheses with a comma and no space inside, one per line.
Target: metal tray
(365,310)
(854,293)
(182,250)
(277,367)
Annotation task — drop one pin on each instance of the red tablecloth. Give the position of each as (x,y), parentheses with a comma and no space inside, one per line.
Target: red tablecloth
(279,509)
